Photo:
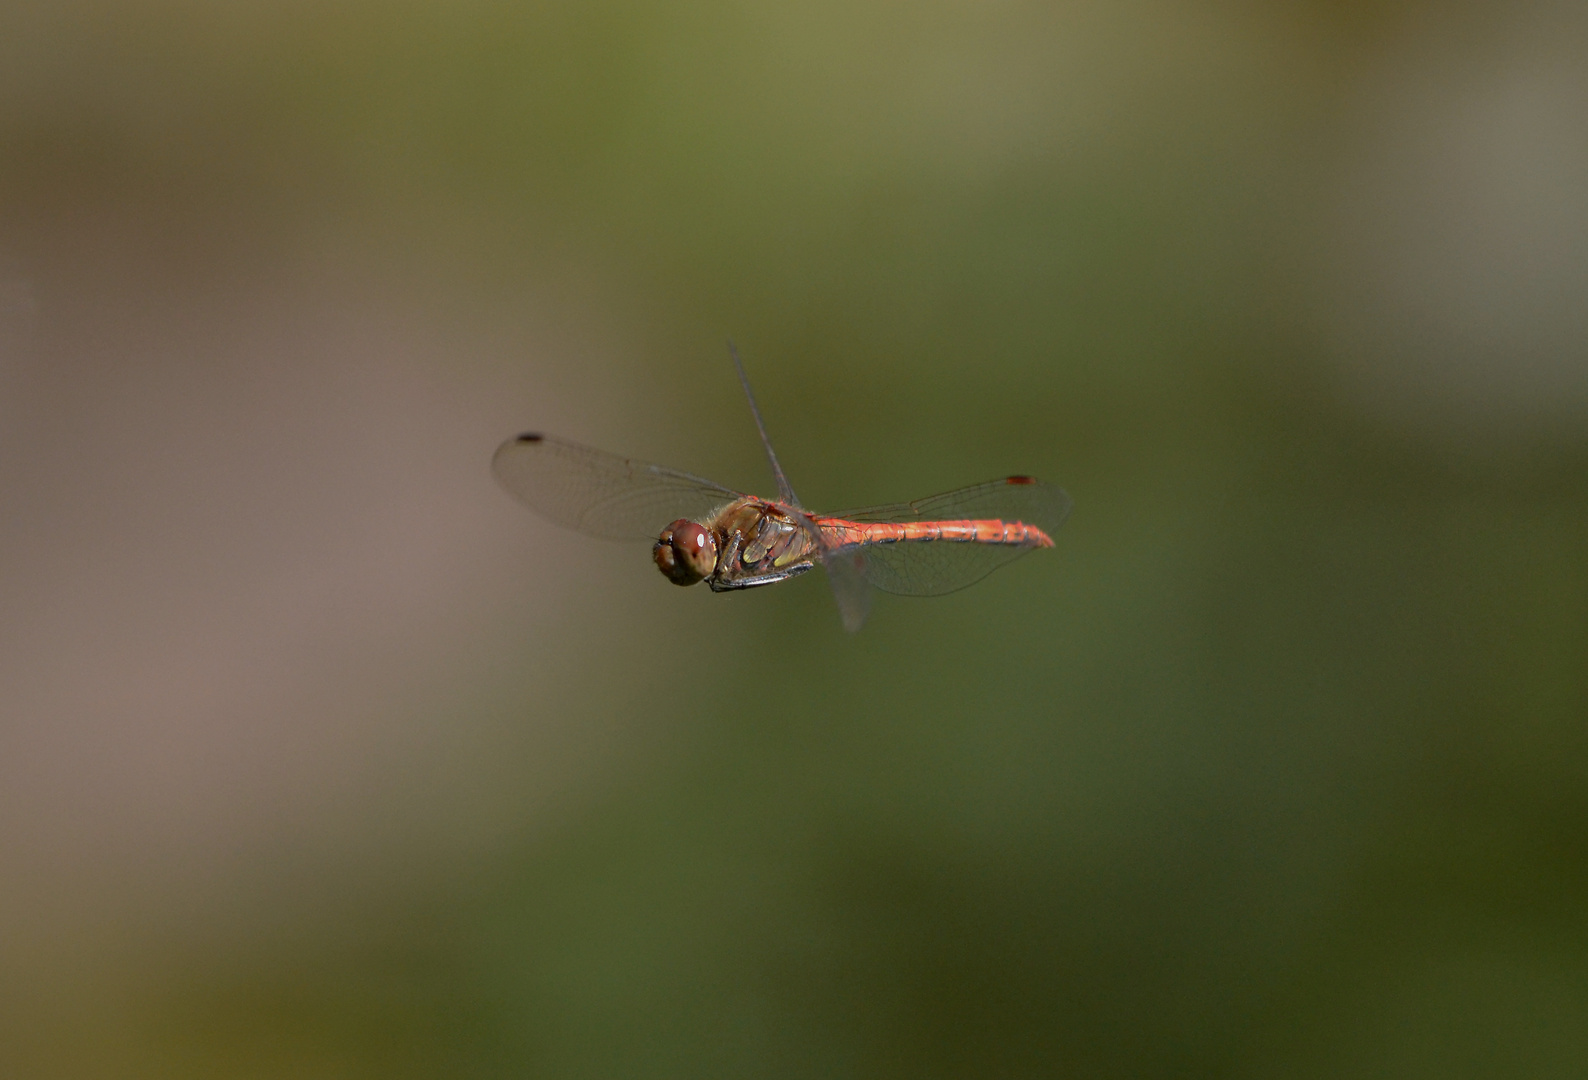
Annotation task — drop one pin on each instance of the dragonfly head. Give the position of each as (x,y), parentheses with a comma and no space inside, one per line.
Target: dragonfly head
(686,552)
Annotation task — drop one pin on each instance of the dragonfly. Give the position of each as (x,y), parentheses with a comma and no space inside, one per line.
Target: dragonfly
(702,531)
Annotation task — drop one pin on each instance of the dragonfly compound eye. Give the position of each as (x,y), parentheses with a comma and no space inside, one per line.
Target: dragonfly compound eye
(685,552)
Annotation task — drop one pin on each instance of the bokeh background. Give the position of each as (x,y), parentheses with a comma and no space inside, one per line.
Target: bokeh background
(321,757)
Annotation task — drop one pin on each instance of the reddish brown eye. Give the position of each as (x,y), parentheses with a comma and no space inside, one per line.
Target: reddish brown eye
(686,552)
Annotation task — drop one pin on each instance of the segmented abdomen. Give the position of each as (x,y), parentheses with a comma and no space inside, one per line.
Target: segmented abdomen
(985,531)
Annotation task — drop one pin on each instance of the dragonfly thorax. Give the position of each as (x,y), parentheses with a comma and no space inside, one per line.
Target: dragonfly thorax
(747,543)
(758,542)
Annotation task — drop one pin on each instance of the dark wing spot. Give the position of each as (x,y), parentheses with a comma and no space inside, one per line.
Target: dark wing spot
(529,436)
(1017,479)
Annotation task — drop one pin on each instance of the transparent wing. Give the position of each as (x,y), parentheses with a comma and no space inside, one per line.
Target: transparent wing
(601,494)
(846,575)
(935,567)
(1014,498)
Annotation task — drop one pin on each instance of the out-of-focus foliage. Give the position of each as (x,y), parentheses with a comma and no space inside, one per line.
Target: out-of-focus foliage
(319,757)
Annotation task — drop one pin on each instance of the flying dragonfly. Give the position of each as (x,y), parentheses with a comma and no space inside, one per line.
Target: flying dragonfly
(702,531)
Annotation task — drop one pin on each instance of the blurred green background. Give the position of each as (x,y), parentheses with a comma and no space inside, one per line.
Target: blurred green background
(319,757)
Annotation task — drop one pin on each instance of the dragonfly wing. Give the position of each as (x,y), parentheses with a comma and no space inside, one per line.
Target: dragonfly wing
(1014,498)
(935,567)
(600,494)
(846,572)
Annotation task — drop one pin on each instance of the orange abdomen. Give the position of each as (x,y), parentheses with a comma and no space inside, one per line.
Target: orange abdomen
(985,531)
